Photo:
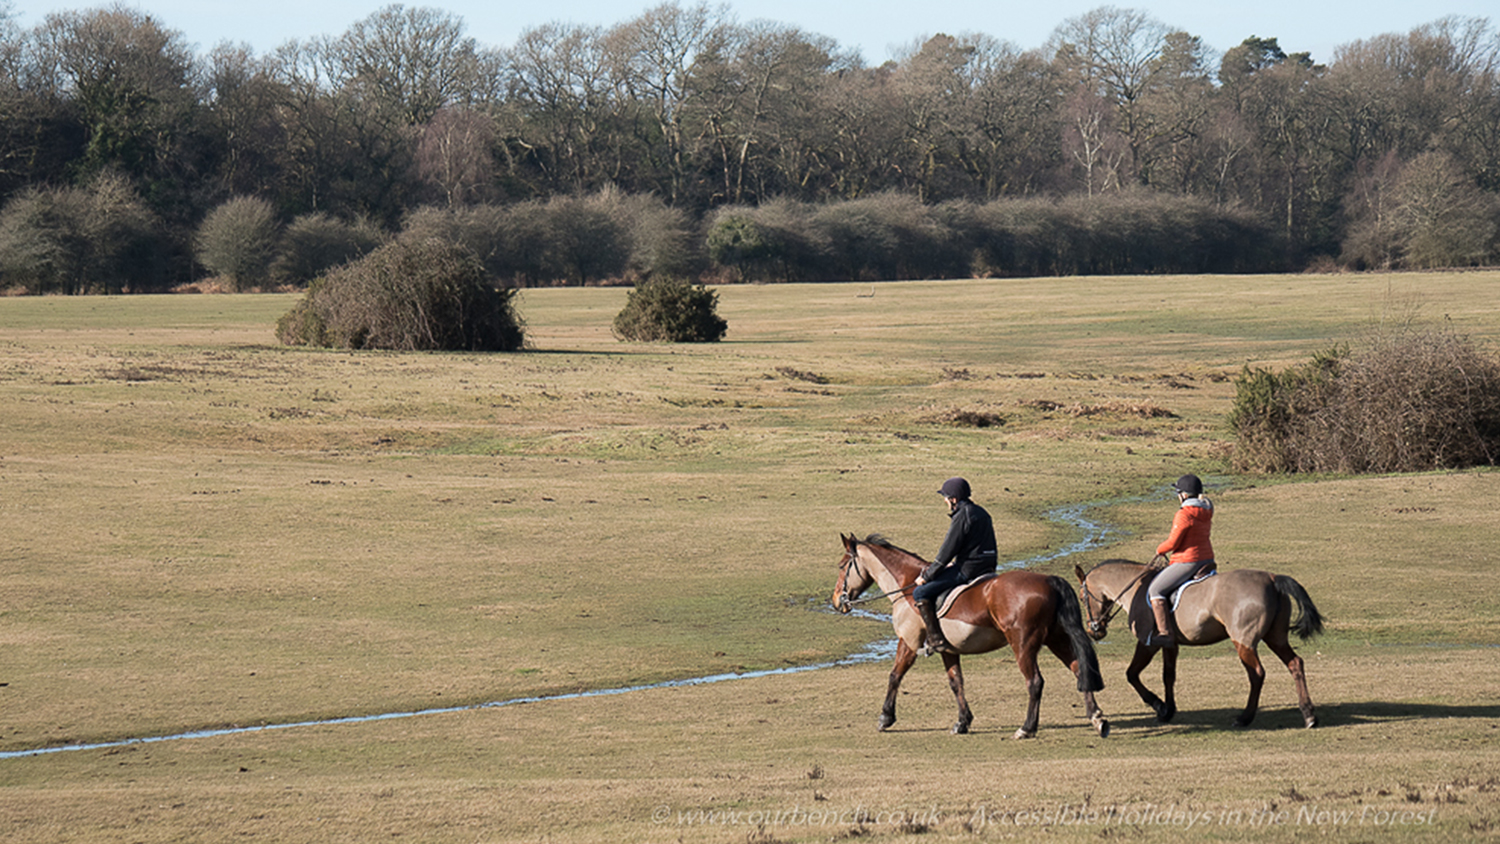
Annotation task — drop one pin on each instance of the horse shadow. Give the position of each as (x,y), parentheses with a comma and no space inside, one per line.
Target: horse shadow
(1347,714)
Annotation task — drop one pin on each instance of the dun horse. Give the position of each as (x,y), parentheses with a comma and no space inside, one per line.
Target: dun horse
(1023,609)
(1245,606)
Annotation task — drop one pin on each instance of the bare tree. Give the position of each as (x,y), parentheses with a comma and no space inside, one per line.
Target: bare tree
(1446,220)
(760,86)
(1116,54)
(562,104)
(453,155)
(1373,240)
(242,97)
(655,55)
(1011,128)
(1092,142)
(414,61)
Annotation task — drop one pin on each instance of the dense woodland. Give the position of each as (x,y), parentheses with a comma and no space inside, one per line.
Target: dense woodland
(684,141)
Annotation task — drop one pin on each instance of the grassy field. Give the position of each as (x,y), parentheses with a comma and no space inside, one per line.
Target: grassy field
(204,530)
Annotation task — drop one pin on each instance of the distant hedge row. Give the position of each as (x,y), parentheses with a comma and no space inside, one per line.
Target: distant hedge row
(893,236)
(101,238)
(614,236)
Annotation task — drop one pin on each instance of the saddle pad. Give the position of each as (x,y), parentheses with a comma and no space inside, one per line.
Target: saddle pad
(1177,595)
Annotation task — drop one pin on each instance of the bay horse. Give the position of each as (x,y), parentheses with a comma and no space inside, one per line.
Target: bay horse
(1246,606)
(1023,609)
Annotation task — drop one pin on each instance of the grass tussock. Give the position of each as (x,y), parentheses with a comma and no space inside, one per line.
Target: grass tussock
(965,418)
(1078,410)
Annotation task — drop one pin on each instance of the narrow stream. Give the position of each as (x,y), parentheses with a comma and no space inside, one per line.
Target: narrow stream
(1092,534)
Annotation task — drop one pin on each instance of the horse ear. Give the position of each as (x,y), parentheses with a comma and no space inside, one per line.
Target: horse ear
(1078,570)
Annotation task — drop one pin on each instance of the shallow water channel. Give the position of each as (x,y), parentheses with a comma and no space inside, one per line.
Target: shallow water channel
(1091,534)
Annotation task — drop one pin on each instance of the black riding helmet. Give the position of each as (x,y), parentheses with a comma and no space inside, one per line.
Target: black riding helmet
(1189,484)
(955,488)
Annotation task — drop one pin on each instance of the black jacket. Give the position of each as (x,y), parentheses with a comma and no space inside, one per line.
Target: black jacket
(970,543)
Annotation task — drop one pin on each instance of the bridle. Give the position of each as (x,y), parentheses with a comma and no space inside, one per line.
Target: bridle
(1108,608)
(844,603)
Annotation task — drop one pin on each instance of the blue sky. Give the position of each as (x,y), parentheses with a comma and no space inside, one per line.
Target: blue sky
(874,27)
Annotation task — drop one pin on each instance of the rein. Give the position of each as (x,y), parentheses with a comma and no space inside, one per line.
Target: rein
(868,598)
(846,601)
(1107,613)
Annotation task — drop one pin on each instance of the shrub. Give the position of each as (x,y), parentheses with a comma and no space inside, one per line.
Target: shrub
(670,310)
(1412,401)
(406,295)
(661,237)
(572,239)
(237,241)
(588,239)
(315,243)
(737,242)
(90,239)
(1271,410)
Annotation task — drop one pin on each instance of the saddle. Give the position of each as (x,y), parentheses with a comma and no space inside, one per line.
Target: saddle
(945,600)
(1176,597)
(1141,622)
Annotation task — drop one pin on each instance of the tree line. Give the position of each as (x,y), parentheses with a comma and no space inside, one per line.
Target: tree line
(682,140)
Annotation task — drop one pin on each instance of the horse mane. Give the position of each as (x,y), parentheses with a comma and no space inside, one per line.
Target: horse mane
(1116,561)
(879,540)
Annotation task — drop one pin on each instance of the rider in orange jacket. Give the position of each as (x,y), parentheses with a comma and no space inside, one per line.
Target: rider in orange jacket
(1188,551)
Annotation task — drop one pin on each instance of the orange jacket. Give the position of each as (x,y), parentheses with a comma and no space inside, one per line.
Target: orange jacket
(1189,541)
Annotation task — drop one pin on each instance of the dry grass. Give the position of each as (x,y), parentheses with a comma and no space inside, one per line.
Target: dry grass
(203,529)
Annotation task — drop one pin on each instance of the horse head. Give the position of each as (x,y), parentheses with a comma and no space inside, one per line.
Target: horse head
(1103,587)
(854,578)
(1099,608)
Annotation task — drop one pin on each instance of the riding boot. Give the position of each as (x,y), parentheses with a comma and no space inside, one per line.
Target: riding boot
(936,641)
(1162,638)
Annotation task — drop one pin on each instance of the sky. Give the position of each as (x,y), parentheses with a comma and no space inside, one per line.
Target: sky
(878,29)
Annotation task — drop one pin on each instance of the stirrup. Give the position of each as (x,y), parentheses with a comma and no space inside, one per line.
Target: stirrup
(930,648)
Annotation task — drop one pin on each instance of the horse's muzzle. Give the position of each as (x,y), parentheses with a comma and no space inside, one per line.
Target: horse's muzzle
(1097,631)
(841,603)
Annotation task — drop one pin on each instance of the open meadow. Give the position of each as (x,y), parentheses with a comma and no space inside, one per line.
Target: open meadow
(425,563)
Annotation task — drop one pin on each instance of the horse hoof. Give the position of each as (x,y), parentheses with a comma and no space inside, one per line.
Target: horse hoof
(885,722)
(1102,727)
(1165,716)
(1312,721)
(1242,722)
(960,729)
(1023,733)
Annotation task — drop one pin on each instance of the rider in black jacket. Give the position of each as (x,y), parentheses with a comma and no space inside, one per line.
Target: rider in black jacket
(968,551)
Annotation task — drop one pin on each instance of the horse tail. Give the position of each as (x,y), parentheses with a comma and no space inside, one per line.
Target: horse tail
(1070,615)
(1309,621)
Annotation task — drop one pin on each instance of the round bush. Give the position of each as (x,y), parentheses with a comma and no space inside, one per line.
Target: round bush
(315,243)
(670,310)
(406,295)
(237,240)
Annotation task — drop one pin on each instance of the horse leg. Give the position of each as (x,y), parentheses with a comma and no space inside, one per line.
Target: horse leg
(1138,663)
(1026,661)
(1168,685)
(956,683)
(1064,652)
(1257,674)
(1299,676)
(905,656)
